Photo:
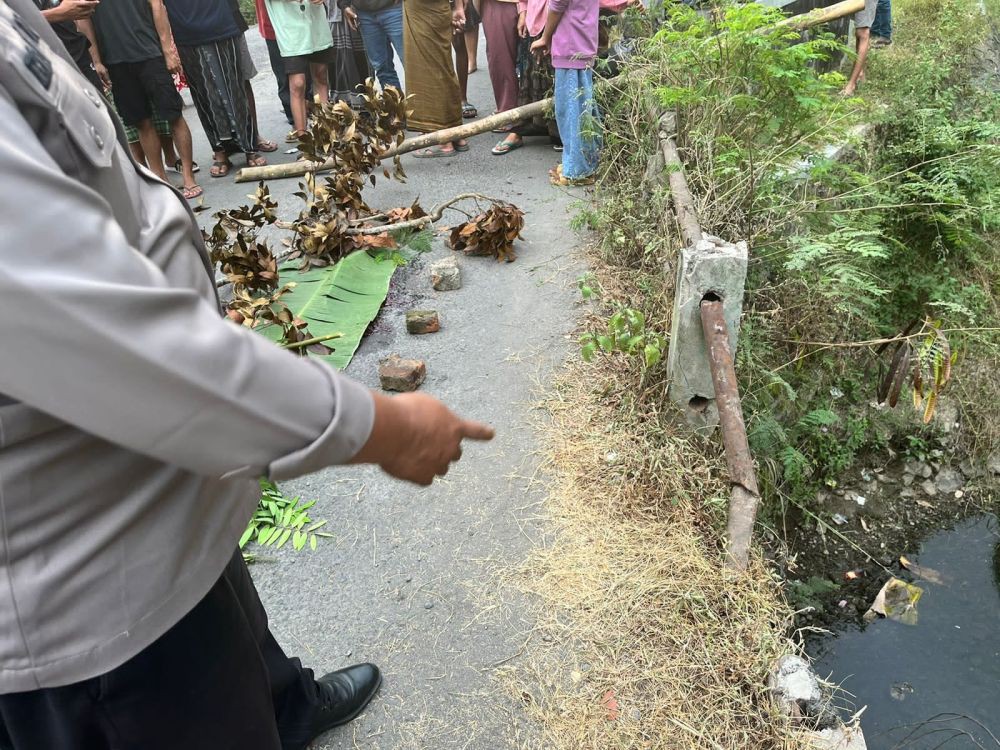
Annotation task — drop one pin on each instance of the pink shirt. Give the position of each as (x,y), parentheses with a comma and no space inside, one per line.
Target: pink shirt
(574,43)
(535,12)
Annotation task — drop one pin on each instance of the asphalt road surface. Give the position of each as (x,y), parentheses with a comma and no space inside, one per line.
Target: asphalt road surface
(409,580)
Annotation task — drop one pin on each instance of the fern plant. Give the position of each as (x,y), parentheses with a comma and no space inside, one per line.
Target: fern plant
(280,519)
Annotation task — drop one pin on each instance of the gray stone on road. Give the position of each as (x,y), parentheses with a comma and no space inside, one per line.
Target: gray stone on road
(409,579)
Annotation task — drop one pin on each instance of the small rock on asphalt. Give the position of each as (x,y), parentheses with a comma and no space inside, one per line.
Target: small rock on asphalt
(446,276)
(422,321)
(397,374)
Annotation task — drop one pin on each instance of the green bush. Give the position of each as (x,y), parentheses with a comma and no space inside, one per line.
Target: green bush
(249,10)
(865,217)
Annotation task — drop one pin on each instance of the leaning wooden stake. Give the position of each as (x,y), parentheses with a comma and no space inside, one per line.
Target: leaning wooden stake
(745,494)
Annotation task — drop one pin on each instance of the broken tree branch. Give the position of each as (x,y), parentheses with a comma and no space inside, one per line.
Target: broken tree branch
(309,342)
(435,215)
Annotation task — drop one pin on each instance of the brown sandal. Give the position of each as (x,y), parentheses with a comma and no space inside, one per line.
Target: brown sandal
(220,168)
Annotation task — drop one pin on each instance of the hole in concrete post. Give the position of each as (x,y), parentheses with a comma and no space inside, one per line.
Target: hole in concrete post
(699,404)
(712,297)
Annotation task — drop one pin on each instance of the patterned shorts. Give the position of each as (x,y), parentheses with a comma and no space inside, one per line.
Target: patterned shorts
(132,133)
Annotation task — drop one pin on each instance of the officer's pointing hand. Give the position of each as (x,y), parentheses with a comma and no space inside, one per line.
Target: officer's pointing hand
(415,437)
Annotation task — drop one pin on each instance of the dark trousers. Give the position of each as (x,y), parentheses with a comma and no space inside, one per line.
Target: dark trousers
(216,680)
(882,25)
(280,77)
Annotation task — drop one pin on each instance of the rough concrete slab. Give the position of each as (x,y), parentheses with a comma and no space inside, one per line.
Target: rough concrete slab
(714,267)
(407,581)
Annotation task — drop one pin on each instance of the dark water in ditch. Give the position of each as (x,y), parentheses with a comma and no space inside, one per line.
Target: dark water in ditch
(935,684)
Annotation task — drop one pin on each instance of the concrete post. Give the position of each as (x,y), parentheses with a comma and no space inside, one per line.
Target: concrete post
(717,269)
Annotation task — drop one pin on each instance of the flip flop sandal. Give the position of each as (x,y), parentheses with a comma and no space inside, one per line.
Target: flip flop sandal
(178,167)
(559,181)
(468,111)
(266,146)
(503,129)
(461,148)
(256,160)
(220,168)
(192,192)
(505,147)
(293,136)
(435,153)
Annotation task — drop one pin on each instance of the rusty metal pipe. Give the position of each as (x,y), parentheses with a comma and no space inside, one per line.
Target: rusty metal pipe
(745,494)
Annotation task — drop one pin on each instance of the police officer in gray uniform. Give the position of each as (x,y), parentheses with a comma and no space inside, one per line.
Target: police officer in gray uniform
(134,422)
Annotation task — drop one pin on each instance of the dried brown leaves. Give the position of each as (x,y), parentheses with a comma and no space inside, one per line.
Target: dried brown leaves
(354,142)
(926,359)
(491,233)
(252,269)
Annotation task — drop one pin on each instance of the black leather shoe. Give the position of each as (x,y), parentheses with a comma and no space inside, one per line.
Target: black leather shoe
(343,695)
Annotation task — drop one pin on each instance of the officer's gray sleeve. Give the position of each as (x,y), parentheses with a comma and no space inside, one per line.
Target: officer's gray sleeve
(92,333)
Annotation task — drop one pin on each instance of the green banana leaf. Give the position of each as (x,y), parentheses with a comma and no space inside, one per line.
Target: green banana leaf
(343,298)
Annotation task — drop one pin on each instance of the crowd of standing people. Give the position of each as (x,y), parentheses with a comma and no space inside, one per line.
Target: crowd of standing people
(140,52)
(326,49)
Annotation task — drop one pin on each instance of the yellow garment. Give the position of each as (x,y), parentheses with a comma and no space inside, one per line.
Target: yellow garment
(431,84)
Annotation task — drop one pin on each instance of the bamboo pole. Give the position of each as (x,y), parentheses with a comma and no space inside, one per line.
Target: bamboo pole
(511,116)
(680,193)
(467,130)
(822,15)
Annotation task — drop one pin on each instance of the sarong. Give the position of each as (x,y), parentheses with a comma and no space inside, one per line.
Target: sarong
(534,83)
(216,77)
(348,74)
(435,99)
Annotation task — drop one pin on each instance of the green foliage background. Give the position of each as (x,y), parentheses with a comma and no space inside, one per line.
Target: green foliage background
(862,214)
(249,10)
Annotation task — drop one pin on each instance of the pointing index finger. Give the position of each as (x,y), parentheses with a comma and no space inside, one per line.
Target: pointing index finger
(477,431)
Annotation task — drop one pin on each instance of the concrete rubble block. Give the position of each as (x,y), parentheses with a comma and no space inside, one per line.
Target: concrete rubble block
(398,374)
(446,275)
(796,688)
(715,269)
(838,738)
(422,321)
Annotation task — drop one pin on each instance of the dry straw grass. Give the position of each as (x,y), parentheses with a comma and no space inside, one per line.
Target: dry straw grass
(645,641)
